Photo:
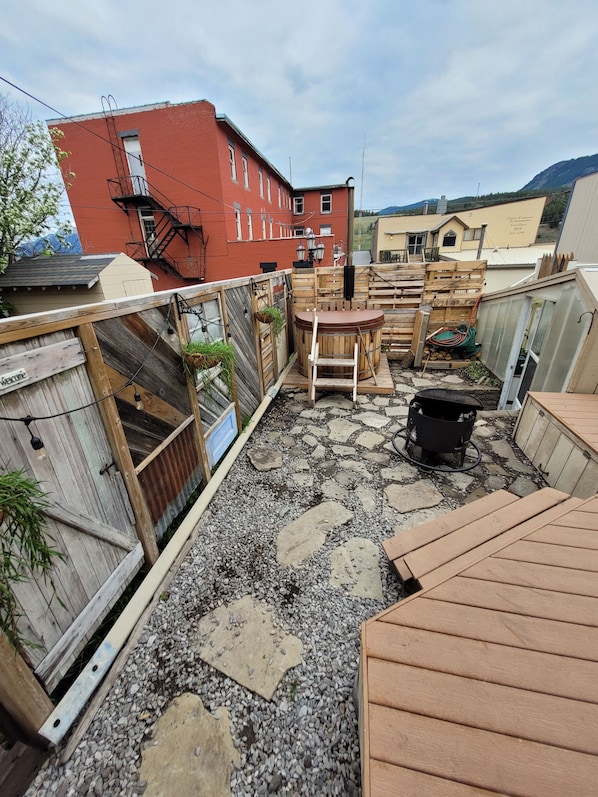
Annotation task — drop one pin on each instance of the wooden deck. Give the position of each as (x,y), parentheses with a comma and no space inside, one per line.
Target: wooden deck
(486,680)
(382,385)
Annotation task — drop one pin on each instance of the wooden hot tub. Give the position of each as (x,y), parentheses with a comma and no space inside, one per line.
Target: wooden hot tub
(337,332)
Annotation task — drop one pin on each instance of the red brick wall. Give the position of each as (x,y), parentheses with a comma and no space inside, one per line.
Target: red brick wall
(186,158)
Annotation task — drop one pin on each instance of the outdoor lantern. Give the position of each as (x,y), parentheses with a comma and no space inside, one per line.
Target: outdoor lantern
(300,251)
(320,252)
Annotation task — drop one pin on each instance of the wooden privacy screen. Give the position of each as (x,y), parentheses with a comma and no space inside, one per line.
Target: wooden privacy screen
(450,289)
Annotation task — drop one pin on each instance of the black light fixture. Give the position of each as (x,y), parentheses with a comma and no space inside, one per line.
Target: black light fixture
(315,251)
(37,444)
(137,399)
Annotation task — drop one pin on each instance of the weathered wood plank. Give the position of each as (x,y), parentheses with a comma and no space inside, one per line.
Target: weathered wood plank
(551,554)
(91,526)
(34,365)
(20,693)
(55,665)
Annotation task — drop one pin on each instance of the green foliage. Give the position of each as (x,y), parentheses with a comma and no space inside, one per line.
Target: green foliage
(220,353)
(25,546)
(276,319)
(554,210)
(30,183)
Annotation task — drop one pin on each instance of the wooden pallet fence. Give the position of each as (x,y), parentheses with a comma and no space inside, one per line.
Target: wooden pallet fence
(452,289)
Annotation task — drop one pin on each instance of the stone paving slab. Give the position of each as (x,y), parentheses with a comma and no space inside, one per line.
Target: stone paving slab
(241,640)
(192,752)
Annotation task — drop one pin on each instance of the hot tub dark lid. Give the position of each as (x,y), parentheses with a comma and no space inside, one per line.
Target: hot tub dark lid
(455,397)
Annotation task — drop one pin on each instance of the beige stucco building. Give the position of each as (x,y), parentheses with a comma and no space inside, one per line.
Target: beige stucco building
(512,224)
(39,284)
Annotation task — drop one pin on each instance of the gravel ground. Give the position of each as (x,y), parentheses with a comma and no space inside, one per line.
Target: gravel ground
(305,741)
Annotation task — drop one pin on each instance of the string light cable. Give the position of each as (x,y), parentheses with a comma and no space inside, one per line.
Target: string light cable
(36,442)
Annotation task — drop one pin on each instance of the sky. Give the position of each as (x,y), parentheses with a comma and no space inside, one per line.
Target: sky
(412,98)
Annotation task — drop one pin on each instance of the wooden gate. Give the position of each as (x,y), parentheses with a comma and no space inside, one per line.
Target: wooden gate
(91,519)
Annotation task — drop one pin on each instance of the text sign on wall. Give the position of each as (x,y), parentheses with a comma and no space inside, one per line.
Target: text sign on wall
(13,378)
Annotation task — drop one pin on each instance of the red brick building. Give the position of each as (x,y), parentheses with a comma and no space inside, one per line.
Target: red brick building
(180,189)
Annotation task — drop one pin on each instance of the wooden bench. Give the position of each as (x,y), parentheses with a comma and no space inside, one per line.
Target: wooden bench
(420,553)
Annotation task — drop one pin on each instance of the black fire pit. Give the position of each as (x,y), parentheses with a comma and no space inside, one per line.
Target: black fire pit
(438,431)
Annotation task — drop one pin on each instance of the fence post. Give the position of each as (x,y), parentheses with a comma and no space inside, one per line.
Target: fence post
(20,692)
(120,448)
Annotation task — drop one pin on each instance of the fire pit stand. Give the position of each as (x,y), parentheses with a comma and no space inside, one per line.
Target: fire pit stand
(438,431)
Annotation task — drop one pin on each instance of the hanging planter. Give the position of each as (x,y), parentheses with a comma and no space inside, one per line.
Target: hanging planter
(273,316)
(204,355)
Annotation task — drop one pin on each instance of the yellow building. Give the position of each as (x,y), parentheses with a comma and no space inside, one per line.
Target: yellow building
(401,238)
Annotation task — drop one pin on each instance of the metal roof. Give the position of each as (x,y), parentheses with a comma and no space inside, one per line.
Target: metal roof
(56,271)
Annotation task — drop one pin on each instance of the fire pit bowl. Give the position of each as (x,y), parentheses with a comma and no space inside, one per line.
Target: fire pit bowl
(438,431)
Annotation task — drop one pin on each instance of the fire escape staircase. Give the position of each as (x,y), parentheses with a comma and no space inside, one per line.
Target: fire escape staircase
(329,363)
(132,192)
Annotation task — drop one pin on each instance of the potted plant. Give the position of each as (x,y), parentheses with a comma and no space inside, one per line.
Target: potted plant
(205,355)
(273,316)
(25,546)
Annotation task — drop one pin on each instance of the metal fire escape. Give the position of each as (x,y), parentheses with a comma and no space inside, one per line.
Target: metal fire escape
(160,221)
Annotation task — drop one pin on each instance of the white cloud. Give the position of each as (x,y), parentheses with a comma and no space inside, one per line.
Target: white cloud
(448,93)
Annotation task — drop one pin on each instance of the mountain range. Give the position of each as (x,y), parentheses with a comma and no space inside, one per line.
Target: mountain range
(558,177)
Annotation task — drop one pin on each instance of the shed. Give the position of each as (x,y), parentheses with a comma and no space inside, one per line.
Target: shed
(42,283)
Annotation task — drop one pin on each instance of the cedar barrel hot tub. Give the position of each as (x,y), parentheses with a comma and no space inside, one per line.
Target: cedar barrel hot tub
(337,332)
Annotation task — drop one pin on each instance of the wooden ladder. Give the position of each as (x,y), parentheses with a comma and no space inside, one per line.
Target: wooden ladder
(335,383)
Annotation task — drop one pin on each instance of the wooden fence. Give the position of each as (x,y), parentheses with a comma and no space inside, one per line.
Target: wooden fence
(119,470)
(449,288)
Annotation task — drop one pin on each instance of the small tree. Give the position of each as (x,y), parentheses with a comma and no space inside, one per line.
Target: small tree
(30,183)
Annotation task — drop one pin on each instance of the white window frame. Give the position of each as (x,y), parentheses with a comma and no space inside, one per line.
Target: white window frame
(325,229)
(245,165)
(298,205)
(268,188)
(249,225)
(260,177)
(238,223)
(263,225)
(232,162)
(326,199)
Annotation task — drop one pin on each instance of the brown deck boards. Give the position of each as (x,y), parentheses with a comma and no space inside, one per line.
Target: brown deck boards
(576,411)
(486,681)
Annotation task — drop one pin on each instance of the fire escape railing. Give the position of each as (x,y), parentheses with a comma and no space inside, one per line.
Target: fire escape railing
(134,192)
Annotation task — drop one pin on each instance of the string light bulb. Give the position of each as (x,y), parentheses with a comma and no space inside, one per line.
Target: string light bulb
(137,399)
(37,444)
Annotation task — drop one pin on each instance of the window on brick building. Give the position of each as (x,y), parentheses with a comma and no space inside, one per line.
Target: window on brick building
(245,171)
(238,222)
(260,177)
(268,188)
(249,225)
(231,159)
(326,203)
(298,204)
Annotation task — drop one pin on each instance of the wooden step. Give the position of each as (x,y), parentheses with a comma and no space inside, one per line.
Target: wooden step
(332,382)
(335,361)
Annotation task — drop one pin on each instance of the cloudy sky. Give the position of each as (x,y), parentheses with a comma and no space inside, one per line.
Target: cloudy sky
(417,97)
